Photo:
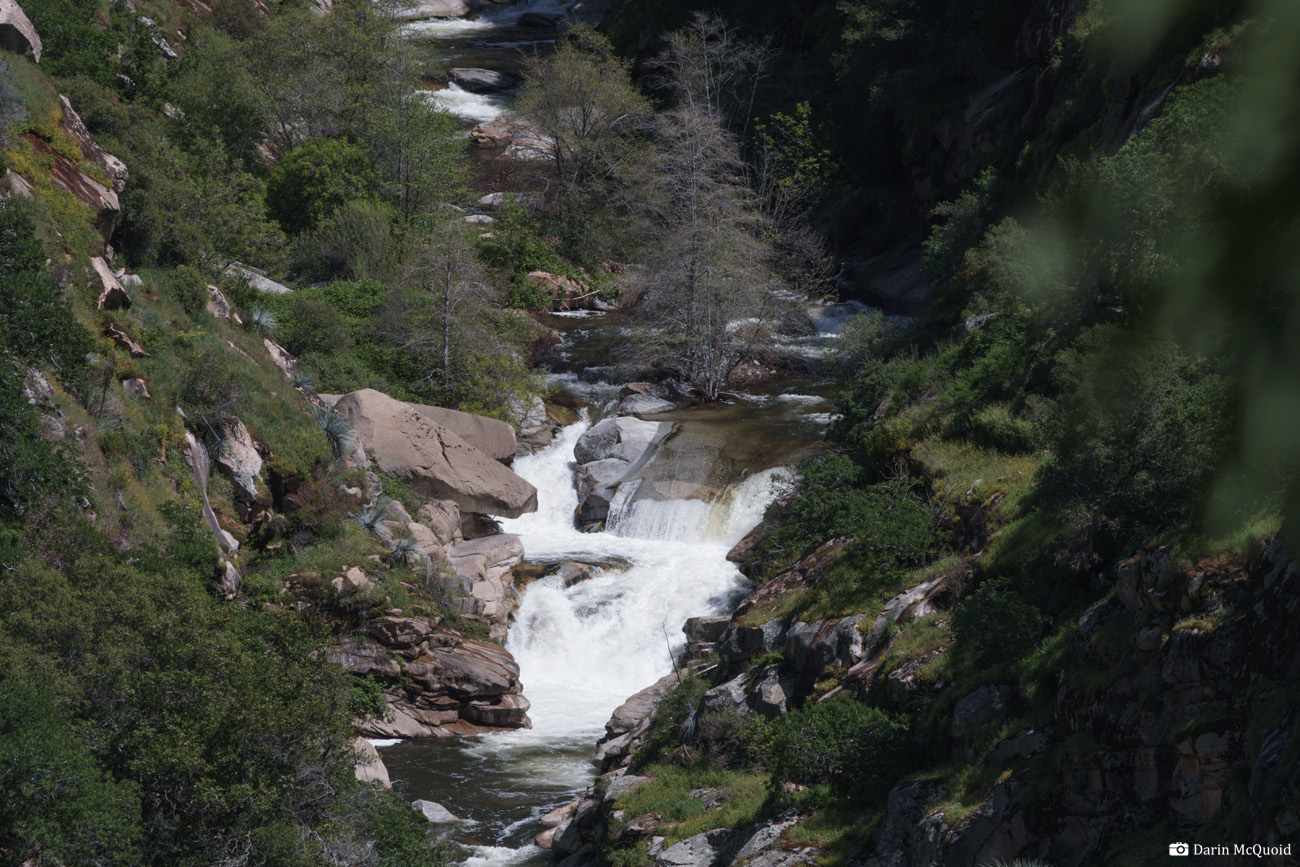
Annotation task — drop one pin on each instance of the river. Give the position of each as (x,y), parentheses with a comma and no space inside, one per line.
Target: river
(584,649)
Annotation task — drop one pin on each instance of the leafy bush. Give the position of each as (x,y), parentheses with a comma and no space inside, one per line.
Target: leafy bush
(860,749)
(889,527)
(314,180)
(994,626)
(310,325)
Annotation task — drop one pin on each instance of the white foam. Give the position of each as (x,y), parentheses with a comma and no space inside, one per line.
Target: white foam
(479,107)
(380,743)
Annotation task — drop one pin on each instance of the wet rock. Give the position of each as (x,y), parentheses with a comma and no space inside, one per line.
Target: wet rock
(705,629)
(597,482)
(507,711)
(434,812)
(627,439)
(477,80)
(422,9)
(642,405)
(540,19)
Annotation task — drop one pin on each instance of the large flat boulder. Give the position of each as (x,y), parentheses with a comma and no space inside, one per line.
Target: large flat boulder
(494,438)
(17,33)
(436,462)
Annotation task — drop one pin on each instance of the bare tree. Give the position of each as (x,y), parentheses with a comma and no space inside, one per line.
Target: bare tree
(442,318)
(709,291)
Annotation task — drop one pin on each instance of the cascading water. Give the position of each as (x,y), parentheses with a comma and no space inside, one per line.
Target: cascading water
(582,650)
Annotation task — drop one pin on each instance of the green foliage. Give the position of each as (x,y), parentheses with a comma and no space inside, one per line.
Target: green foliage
(1144,429)
(195,208)
(861,750)
(312,325)
(994,626)
(73,40)
(35,325)
(314,180)
(368,698)
(889,528)
(56,802)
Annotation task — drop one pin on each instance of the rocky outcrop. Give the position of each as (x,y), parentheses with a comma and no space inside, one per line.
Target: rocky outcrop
(110,165)
(433,812)
(432,459)
(492,437)
(124,341)
(437,682)
(219,306)
(238,458)
(629,724)
(256,279)
(111,294)
(17,33)
(483,570)
(101,200)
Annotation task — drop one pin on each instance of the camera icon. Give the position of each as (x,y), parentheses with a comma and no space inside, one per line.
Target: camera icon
(1179,849)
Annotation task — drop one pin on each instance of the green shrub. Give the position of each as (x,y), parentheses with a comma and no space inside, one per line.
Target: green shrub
(314,180)
(310,325)
(889,527)
(994,626)
(861,750)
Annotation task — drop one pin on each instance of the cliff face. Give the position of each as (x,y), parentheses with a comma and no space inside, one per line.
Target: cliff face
(1172,719)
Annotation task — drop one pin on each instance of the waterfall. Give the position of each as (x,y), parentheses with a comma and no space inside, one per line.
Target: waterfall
(582,650)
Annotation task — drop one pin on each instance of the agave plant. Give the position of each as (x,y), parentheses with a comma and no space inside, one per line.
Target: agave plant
(262,321)
(337,429)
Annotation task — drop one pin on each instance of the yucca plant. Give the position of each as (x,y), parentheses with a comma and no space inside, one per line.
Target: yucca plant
(372,518)
(1019,862)
(303,379)
(405,552)
(262,321)
(337,429)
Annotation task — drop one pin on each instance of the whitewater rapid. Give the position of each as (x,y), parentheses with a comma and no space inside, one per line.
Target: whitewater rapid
(583,650)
